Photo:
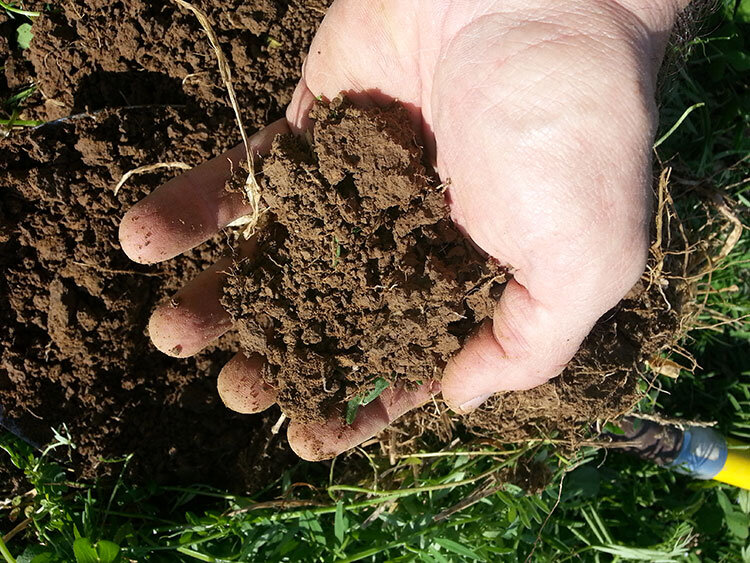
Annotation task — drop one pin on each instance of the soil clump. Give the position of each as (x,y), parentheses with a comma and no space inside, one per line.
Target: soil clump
(362,274)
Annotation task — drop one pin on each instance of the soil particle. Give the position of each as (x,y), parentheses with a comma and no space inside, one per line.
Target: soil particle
(362,275)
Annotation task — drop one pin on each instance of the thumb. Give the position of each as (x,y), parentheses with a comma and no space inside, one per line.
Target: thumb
(528,342)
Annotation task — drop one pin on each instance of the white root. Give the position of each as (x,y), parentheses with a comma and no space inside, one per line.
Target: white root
(149,168)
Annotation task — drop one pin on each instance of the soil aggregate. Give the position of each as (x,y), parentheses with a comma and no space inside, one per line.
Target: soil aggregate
(361,274)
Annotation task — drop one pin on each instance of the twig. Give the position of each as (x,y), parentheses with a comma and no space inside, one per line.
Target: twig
(149,168)
(17,530)
(377,512)
(481,493)
(280,504)
(252,189)
(124,272)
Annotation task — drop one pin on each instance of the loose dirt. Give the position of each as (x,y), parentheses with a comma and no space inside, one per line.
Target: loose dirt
(136,83)
(362,274)
(141,82)
(603,381)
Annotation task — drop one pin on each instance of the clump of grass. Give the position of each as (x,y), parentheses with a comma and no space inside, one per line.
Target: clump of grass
(12,107)
(438,506)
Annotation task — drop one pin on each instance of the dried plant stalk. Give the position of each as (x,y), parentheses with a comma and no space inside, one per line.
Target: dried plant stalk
(148,168)
(251,187)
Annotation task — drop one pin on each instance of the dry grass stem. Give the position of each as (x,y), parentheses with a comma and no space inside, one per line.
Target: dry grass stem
(148,168)
(251,187)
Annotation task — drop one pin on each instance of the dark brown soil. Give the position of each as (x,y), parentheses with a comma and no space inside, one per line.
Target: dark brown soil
(74,309)
(12,481)
(140,80)
(362,274)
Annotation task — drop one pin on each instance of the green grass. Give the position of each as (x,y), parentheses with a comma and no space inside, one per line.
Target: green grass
(598,507)
(16,10)
(11,108)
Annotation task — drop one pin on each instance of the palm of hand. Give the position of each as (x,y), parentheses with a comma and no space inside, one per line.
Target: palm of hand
(542,124)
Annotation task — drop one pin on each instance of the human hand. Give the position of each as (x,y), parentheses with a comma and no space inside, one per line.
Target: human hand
(540,114)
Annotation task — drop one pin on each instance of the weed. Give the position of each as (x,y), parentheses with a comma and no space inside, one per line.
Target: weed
(18,11)
(12,107)
(352,406)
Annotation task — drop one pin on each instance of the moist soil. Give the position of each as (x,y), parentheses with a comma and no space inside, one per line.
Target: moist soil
(361,275)
(123,85)
(140,82)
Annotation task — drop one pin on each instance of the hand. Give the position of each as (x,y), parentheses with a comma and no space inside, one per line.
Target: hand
(542,116)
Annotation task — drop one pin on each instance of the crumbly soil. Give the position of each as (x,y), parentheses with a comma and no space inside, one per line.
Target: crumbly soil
(361,274)
(141,80)
(603,381)
(136,83)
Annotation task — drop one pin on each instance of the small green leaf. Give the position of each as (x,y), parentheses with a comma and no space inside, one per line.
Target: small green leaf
(380,386)
(738,524)
(353,405)
(412,461)
(340,523)
(108,552)
(103,552)
(24,35)
(84,551)
(743,499)
(456,547)
(736,521)
(35,554)
(612,428)
(743,12)
(351,409)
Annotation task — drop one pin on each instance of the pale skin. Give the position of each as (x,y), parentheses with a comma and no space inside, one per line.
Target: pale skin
(541,116)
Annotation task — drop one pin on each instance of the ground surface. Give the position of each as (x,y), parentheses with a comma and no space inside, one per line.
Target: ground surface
(140,83)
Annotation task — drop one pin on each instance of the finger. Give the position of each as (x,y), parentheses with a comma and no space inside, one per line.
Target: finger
(241,386)
(191,208)
(316,442)
(297,113)
(526,344)
(194,317)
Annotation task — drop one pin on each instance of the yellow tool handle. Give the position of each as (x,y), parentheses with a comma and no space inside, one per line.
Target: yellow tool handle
(736,470)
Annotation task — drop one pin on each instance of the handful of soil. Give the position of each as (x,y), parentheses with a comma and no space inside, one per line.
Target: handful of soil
(361,278)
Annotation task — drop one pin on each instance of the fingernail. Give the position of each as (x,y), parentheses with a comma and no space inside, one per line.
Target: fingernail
(474,403)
